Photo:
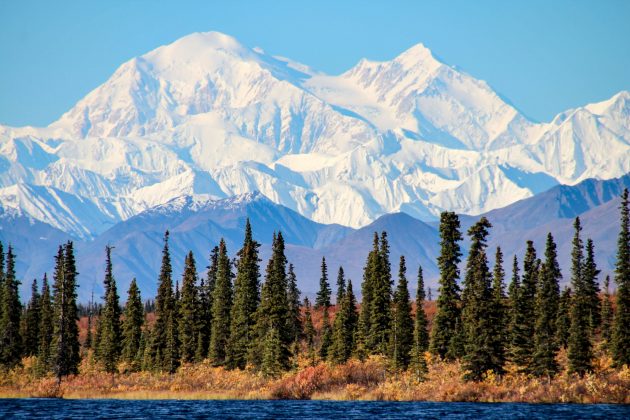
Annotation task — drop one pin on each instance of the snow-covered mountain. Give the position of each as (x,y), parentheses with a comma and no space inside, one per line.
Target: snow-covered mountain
(209,117)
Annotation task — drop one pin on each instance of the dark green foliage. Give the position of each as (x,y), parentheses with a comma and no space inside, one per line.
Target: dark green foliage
(162,344)
(10,312)
(325,341)
(345,327)
(341,285)
(246,300)
(206,290)
(580,350)
(323,295)
(620,340)
(512,315)
(133,339)
(498,313)
(309,331)
(45,329)
(188,309)
(272,316)
(380,305)
(221,308)
(371,267)
(477,313)
(591,286)
(547,302)
(401,338)
(563,322)
(524,317)
(293,298)
(109,324)
(420,332)
(30,323)
(65,341)
(607,315)
(448,303)
(272,358)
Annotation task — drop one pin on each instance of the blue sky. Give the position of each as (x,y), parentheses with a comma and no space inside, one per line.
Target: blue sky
(544,56)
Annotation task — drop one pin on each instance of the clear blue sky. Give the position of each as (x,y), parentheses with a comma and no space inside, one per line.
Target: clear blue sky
(544,56)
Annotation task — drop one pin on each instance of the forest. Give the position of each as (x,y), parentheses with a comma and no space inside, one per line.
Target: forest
(505,332)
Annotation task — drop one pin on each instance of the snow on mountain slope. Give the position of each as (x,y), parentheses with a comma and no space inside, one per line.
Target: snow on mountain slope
(209,116)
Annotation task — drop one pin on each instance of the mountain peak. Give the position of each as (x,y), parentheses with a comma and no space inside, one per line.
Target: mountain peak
(418,53)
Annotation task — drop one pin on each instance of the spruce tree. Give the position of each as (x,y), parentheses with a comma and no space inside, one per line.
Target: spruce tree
(547,302)
(164,309)
(607,315)
(401,338)
(246,300)
(620,340)
(109,323)
(272,315)
(206,291)
(11,310)
(345,327)
(221,308)
(512,315)
(591,286)
(365,316)
(272,358)
(326,335)
(522,343)
(65,342)
(381,317)
(293,298)
(30,331)
(420,332)
(188,308)
(448,303)
(341,285)
(499,313)
(45,329)
(133,322)
(309,331)
(323,295)
(579,345)
(477,313)
(563,322)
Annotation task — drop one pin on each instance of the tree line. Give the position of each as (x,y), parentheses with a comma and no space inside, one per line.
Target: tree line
(232,319)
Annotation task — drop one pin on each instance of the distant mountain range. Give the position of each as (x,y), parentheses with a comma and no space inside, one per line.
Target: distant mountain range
(198,224)
(210,118)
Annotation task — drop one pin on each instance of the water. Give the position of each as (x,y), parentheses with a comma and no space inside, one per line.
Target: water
(172,409)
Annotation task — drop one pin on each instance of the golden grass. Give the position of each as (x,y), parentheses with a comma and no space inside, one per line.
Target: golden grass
(355,380)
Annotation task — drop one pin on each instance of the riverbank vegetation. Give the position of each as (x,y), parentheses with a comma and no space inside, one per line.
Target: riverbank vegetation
(226,335)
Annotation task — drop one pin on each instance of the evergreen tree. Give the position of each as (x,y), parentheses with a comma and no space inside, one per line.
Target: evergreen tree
(309,330)
(448,303)
(293,297)
(401,338)
(579,344)
(341,285)
(30,331)
(109,323)
(522,340)
(45,329)
(607,314)
(132,335)
(188,307)
(1,272)
(620,340)
(477,313)
(246,301)
(345,327)
(323,295)
(591,286)
(365,316)
(381,317)
(206,291)
(272,357)
(563,322)
(11,310)
(325,341)
(420,332)
(547,302)
(499,314)
(65,341)
(164,309)
(272,315)
(221,308)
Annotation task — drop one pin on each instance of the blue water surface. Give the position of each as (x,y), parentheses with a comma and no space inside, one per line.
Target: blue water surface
(184,409)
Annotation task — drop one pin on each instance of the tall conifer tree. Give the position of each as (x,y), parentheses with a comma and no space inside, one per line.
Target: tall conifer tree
(522,345)
(188,307)
(109,324)
(372,266)
(132,327)
(563,322)
(341,285)
(30,330)
(206,291)
(499,312)
(323,295)
(293,297)
(380,316)
(401,338)
(45,329)
(448,303)
(620,340)
(420,332)
(161,349)
(591,286)
(345,326)
(221,308)
(11,310)
(607,314)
